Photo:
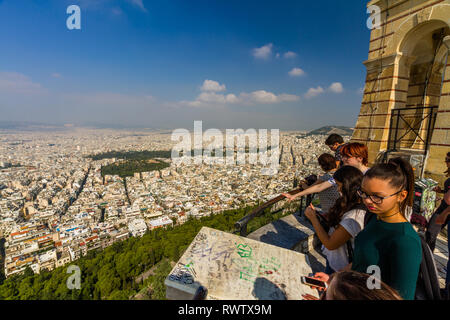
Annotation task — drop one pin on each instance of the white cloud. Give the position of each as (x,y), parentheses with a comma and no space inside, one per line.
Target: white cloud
(277,55)
(210,98)
(108,5)
(296,72)
(139,4)
(336,87)
(265,97)
(14,82)
(289,54)
(313,92)
(231,98)
(211,85)
(260,96)
(56,75)
(264,52)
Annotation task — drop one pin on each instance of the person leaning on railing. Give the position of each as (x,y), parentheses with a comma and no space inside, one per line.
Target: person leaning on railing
(353,154)
(327,196)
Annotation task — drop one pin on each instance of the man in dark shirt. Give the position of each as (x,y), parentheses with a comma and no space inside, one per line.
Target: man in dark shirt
(433,227)
(335,142)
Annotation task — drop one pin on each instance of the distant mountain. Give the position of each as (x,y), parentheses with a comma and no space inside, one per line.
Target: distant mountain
(327,130)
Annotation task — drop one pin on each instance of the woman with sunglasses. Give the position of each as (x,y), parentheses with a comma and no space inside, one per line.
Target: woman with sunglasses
(389,241)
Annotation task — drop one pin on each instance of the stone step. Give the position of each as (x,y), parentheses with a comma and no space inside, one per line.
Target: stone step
(292,232)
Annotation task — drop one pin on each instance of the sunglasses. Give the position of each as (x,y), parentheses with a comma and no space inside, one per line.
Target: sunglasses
(375,199)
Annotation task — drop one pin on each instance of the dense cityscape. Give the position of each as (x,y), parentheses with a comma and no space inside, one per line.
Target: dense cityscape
(56,203)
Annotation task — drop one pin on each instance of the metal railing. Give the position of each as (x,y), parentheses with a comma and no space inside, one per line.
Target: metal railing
(417,129)
(241,225)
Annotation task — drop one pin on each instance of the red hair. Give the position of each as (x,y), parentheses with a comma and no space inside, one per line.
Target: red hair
(356,150)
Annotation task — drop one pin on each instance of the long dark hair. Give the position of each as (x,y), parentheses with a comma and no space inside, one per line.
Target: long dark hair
(352,285)
(351,179)
(400,175)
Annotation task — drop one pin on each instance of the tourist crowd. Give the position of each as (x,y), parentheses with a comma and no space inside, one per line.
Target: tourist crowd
(364,225)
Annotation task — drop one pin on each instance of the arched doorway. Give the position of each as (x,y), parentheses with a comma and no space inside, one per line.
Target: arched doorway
(424,56)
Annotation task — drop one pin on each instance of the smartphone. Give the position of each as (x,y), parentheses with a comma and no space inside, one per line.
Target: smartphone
(312,282)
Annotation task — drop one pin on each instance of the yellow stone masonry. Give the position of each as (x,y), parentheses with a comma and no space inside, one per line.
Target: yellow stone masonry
(408,67)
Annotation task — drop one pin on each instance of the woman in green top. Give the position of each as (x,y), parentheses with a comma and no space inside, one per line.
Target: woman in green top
(389,240)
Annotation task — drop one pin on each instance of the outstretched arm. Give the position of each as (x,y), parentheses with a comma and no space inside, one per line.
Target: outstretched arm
(313,189)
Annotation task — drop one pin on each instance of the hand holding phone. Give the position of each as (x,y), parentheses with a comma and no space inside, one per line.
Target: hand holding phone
(314,283)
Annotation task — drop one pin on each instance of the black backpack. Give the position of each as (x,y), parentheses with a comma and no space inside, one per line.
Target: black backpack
(427,287)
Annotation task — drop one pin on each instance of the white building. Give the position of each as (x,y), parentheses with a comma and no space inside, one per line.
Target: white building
(160,222)
(137,227)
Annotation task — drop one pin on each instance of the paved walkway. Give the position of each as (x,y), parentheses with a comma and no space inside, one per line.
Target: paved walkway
(441,257)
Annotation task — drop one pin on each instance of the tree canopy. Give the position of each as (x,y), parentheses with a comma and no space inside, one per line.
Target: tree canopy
(111,273)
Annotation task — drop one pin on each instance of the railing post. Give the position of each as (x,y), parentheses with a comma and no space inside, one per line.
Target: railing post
(243,231)
(308,200)
(430,123)
(391,128)
(396,130)
(301,206)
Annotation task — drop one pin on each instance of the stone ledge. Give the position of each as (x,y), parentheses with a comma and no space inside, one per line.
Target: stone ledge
(291,232)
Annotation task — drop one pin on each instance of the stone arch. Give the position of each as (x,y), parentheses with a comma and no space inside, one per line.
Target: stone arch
(437,17)
(410,40)
(420,48)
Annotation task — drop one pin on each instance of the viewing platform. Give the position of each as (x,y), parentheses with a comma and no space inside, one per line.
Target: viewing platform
(264,265)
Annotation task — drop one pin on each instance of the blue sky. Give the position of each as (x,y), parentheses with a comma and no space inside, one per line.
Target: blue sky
(291,65)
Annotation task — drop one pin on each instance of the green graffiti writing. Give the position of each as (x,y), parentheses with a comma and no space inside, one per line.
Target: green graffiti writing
(245,251)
